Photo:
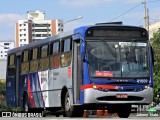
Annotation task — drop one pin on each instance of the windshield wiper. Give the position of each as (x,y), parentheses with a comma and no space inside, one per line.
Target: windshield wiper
(109,48)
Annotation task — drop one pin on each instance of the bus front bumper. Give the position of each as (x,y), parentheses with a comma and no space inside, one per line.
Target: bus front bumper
(92,95)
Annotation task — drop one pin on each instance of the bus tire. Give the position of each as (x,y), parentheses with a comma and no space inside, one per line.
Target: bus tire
(69,109)
(125,112)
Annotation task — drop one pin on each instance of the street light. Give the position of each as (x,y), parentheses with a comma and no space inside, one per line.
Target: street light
(79,17)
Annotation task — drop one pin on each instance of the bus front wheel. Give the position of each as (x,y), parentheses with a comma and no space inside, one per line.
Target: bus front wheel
(69,109)
(125,112)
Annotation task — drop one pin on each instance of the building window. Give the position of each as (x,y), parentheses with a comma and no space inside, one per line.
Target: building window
(6,47)
(60,24)
(6,43)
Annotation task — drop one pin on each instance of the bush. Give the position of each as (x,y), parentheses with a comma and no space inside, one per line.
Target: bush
(3,94)
(3,104)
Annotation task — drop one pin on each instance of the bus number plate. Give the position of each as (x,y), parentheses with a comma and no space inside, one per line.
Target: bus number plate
(121,96)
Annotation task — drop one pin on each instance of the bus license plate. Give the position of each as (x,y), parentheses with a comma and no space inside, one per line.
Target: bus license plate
(121,96)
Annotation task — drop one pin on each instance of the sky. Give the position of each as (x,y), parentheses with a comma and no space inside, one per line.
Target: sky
(130,12)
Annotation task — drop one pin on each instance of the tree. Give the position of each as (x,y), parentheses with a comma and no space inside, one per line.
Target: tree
(156,47)
(2,94)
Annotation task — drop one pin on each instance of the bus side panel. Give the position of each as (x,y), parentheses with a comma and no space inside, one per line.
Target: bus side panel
(36,99)
(11,91)
(151,68)
(41,84)
(59,78)
(55,86)
(22,89)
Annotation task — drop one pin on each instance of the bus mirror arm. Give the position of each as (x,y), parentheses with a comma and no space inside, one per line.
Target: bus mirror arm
(83,50)
(85,58)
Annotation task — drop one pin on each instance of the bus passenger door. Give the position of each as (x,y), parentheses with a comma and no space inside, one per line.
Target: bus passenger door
(17,78)
(77,72)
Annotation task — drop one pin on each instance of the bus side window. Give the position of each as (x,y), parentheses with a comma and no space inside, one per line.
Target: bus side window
(11,65)
(54,55)
(44,59)
(34,60)
(66,52)
(25,62)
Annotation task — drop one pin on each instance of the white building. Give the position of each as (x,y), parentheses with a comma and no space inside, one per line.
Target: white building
(153,28)
(3,63)
(35,27)
(4,47)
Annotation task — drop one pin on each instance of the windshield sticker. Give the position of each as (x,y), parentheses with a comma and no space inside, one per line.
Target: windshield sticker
(104,74)
(131,44)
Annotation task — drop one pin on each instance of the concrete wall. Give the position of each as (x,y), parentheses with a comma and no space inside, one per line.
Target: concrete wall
(3,69)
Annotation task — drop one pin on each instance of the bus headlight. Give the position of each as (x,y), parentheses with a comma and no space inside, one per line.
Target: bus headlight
(146,87)
(94,86)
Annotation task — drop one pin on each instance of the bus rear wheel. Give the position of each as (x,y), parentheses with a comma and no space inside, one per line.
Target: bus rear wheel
(69,109)
(25,104)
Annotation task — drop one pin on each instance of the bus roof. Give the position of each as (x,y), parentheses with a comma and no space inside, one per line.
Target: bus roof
(65,34)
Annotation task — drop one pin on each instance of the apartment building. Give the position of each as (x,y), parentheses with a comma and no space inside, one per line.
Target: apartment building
(4,47)
(36,27)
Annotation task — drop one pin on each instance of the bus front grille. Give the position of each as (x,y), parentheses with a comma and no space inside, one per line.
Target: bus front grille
(113,98)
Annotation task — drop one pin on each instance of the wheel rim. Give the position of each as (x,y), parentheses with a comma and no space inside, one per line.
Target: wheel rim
(67,104)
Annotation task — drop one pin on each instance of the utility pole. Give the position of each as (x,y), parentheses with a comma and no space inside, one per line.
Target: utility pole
(148,20)
(145,13)
(146,16)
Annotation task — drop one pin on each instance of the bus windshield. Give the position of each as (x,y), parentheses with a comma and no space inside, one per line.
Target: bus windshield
(117,59)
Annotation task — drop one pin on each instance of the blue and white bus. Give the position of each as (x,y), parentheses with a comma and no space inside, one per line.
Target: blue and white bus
(102,66)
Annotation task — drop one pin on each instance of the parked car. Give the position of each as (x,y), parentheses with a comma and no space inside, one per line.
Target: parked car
(157,107)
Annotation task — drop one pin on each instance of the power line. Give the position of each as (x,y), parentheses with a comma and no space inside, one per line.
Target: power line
(133,9)
(125,12)
(154,19)
(139,21)
(153,1)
